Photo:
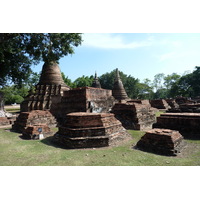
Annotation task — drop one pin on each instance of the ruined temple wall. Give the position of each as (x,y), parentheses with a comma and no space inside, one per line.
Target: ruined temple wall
(85,99)
(159,104)
(134,116)
(188,124)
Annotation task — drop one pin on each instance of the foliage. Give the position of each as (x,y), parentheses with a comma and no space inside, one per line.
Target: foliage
(18,51)
(68,81)
(84,81)
(15,94)
(145,89)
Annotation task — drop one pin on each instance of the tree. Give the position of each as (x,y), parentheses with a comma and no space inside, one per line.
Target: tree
(158,81)
(145,89)
(14,94)
(18,51)
(169,80)
(84,81)
(68,81)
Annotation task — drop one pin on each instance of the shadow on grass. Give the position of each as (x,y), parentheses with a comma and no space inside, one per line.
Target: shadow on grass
(49,141)
(151,151)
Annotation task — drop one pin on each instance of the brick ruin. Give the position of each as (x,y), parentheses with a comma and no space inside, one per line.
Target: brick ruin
(28,123)
(188,124)
(118,91)
(160,104)
(50,84)
(134,115)
(172,103)
(89,130)
(161,141)
(84,99)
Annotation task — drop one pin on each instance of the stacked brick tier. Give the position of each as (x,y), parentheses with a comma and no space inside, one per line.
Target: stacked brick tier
(190,107)
(35,117)
(134,116)
(118,91)
(161,141)
(188,124)
(84,99)
(159,104)
(41,99)
(34,131)
(50,84)
(86,130)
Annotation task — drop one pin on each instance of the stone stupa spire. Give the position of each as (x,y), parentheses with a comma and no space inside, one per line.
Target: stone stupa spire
(118,90)
(96,83)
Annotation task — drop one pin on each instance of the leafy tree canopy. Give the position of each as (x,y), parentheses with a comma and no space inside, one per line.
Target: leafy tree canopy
(18,51)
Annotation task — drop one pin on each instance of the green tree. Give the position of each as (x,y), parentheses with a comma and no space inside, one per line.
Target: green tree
(18,51)
(83,81)
(158,81)
(169,80)
(145,89)
(68,81)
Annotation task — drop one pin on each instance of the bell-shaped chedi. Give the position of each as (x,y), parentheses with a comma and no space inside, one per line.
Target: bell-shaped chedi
(96,83)
(51,75)
(50,84)
(118,90)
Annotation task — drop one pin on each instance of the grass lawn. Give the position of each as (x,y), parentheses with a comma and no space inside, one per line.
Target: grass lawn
(15,151)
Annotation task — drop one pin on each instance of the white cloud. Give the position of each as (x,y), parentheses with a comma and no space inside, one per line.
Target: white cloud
(109,41)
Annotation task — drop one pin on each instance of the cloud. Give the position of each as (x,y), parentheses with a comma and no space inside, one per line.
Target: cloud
(110,41)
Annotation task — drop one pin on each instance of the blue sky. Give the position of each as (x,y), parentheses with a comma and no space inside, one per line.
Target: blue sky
(141,55)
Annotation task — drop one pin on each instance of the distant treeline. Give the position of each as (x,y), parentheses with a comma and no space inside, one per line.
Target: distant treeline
(162,87)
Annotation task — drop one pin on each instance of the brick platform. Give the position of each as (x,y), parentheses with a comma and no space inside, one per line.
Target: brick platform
(188,124)
(161,141)
(4,121)
(135,116)
(159,104)
(84,99)
(33,132)
(32,118)
(86,130)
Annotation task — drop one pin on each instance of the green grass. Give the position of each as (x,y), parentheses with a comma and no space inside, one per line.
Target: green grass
(12,110)
(15,151)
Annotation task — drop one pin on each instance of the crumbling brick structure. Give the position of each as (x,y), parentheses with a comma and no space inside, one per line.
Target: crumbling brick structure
(4,121)
(159,104)
(134,116)
(84,99)
(161,141)
(50,84)
(33,118)
(188,124)
(118,91)
(86,130)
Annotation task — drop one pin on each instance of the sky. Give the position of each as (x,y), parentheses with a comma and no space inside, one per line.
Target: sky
(141,55)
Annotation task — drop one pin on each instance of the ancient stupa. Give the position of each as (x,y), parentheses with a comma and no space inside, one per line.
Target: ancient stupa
(96,83)
(118,90)
(50,84)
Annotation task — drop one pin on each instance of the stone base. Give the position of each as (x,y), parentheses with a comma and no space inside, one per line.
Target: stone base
(135,116)
(161,141)
(35,131)
(34,117)
(160,104)
(4,121)
(89,130)
(188,124)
